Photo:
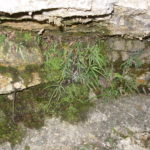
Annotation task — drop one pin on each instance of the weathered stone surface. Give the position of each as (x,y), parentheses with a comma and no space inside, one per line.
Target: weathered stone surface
(20,60)
(122,17)
(96,7)
(132,22)
(122,49)
(18,54)
(120,44)
(5,85)
(136,4)
(8,84)
(118,125)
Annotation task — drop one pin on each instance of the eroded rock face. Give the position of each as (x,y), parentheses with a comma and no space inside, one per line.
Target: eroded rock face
(20,61)
(96,7)
(100,7)
(136,4)
(119,125)
(122,17)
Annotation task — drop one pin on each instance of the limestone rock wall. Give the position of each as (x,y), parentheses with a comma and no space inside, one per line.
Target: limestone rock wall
(80,7)
(122,17)
(99,7)
(129,18)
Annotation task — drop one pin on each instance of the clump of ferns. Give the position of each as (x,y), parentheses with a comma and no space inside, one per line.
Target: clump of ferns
(86,65)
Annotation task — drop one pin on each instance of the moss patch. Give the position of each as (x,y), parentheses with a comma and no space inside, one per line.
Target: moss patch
(32,105)
(2,38)
(23,72)
(28,70)
(72,102)
(9,72)
(9,130)
(28,39)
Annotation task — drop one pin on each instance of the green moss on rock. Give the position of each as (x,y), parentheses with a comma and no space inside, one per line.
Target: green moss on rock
(75,103)
(9,130)
(25,38)
(2,38)
(10,72)
(24,73)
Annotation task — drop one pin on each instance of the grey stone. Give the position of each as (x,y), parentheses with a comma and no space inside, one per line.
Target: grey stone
(119,45)
(121,17)
(123,124)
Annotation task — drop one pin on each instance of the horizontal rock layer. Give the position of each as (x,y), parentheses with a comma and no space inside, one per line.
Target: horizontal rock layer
(122,17)
(97,6)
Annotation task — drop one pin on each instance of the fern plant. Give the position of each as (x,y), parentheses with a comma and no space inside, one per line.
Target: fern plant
(81,65)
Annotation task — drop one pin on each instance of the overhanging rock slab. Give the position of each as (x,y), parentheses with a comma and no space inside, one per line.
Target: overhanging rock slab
(98,7)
